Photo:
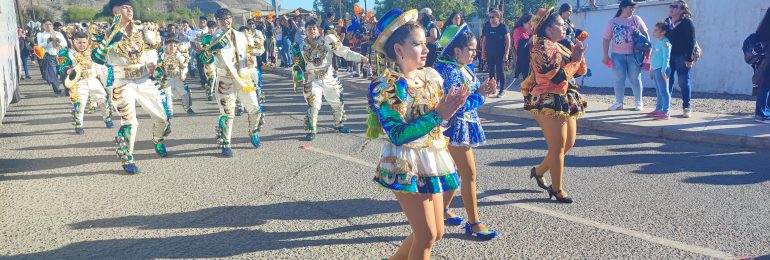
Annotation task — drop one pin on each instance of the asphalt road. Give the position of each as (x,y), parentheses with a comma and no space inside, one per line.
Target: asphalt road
(64,195)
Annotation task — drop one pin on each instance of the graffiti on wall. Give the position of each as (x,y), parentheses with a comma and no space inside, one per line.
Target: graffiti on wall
(9,55)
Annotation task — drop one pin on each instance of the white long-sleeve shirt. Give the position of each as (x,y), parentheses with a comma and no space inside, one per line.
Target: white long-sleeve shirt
(50,48)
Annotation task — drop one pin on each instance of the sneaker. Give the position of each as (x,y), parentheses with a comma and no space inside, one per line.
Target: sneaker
(131,168)
(762,120)
(160,149)
(687,113)
(109,124)
(639,107)
(310,137)
(662,116)
(343,129)
(501,94)
(616,106)
(255,140)
(654,113)
(210,98)
(227,152)
(190,111)
(79,130)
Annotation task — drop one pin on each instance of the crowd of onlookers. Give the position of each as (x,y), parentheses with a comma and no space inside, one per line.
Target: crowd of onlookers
(667,52)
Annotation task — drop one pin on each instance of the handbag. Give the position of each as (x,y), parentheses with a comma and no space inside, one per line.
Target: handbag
(642,44)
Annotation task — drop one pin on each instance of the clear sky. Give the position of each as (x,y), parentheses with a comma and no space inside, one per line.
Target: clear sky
(308,4)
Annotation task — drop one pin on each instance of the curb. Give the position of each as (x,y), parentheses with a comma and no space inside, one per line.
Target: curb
(599,125)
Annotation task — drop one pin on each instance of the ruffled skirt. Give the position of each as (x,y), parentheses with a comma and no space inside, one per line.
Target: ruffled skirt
(428,170)
(568,105)
(465,131)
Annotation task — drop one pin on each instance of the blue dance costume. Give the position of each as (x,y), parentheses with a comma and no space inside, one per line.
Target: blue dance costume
(464,128)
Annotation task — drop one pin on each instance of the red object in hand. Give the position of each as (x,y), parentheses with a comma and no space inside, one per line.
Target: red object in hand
(609,64)
(583,36)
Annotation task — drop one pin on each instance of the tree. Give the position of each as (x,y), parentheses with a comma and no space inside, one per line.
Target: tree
(75,14)
(441,8)
(325,6)
(41,13)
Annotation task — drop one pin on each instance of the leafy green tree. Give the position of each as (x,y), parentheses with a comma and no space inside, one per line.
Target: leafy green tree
(325,6)
(40,13)
(441,8)
(77,14)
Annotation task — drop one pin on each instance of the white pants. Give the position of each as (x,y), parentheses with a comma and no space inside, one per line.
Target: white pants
(80,94)
(176,87)
(227,93)
(125,95)
(330,89)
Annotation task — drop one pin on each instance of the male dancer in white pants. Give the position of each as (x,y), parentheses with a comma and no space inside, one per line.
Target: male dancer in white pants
(229,50)
(81,78)
(173,67)
(320,80)
(130,50)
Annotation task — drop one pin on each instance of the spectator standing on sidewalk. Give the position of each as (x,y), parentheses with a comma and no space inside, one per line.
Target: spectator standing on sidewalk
(431,35)
(565,11)
(659,63)
(456,18)
(620,32)
(288,35)
(682,38)
(25,50)
(762,72)
(51,41)
(496,42)
(521,32)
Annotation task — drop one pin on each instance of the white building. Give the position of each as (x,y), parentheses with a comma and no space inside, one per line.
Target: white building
(720,28)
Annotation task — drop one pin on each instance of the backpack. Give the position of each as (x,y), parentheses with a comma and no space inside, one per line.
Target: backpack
(753,50)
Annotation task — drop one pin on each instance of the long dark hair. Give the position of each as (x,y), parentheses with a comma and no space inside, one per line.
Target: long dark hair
(763,31)
(525,18)
(399,36)
(463,40)
(452,17)
(564,8)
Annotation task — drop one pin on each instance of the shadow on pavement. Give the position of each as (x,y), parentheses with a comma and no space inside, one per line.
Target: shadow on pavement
(244,239)
(669,158)
(219,244)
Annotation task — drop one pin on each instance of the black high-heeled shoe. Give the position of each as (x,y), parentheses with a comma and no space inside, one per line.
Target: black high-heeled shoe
(539,179)
(552,193)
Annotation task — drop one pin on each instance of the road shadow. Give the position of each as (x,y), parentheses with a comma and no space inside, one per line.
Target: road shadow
(220,244)
(244,238)
(671,157)
(249,216)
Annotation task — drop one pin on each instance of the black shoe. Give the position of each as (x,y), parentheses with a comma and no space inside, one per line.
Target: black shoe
(310,137)
(539,179)
(552,193)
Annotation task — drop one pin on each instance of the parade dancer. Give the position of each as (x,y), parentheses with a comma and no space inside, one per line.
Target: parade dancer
(209,69)
(172,68)
(230,49)
(81,79)
(455,64)
(255,72)
(317,77)
(408,104)
(551,95)
(130,50)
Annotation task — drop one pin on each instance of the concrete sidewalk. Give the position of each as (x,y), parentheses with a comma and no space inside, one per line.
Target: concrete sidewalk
(701,127)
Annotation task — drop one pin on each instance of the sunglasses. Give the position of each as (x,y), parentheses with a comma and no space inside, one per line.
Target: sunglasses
(674,6)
